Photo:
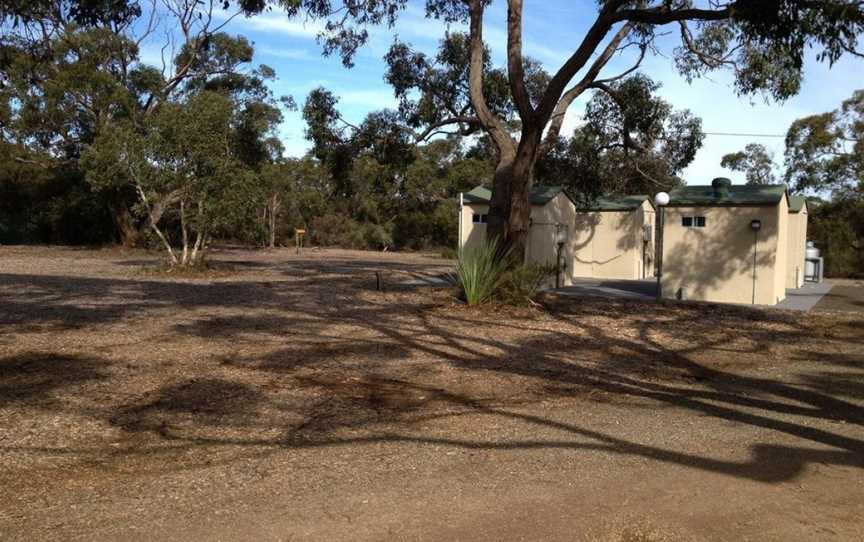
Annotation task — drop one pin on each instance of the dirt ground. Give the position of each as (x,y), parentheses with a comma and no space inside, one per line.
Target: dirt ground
(845,295)
(284,398)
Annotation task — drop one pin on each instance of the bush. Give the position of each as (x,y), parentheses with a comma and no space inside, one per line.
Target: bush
(480,271)
(520,284)
(340,231)
(837,229)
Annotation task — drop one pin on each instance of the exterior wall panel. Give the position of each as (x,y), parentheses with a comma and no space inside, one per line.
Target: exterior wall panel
(797,246)
(716,263)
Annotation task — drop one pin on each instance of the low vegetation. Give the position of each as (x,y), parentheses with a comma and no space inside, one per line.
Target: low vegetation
(485,274)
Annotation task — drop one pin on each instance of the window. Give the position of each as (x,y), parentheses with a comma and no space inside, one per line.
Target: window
(693,221)
(479,219)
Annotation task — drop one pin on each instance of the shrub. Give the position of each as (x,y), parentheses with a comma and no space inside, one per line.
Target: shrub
(520,284)
(480,271)
(837,229)
(340,231)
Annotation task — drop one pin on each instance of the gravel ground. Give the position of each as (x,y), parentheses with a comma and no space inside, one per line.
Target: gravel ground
(281,397)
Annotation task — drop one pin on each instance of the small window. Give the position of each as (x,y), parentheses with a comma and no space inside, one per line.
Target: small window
(693,221)
(479,219)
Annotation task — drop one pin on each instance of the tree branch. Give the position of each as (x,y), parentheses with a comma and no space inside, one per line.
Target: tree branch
(492,123)
(515,64)
(557,119)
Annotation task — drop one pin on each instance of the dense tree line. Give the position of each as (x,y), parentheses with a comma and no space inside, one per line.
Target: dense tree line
(97,145)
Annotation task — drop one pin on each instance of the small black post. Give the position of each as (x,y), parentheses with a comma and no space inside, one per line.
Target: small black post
(558,267)
(378,281)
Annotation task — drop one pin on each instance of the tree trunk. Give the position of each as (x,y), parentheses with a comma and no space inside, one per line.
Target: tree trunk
(510,208)
(274,207)
(127,234)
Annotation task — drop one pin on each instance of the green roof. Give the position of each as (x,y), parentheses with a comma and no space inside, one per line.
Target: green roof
(614,203)
(736,195)
(796,203)
(540,195)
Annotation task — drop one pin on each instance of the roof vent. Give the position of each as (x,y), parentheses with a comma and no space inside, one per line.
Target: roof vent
(721,186)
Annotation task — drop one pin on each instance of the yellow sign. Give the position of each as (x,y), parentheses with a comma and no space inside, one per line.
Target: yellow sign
(300,232)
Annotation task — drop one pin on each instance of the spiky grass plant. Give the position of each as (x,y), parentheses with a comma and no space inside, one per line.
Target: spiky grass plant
(480,271)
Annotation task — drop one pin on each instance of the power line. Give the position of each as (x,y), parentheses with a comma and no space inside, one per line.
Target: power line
(733,134)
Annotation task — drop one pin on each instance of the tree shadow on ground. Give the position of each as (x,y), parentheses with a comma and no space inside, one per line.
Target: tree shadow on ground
(370,381)
(38,376)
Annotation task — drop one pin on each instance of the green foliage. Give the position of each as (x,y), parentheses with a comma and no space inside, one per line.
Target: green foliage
(826,152)
(48,205)
(336,230)
(632,142)
(521,283)
(837,229)
(755,161)
(480,272)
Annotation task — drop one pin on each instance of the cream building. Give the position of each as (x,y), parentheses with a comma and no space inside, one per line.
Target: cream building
(726,243)
(552,216)
(797,241)
(613,239)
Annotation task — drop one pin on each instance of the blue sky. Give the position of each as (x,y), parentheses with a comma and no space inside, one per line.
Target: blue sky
(553,29)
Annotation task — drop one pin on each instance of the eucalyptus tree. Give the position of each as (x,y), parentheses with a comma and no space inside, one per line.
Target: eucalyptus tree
(825,152)
(184,161)
(70,69)
(762,42)
(755,161)
(631,142)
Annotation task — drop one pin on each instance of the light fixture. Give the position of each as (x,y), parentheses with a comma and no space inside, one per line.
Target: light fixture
(755,225)
(560,233)
(661,200)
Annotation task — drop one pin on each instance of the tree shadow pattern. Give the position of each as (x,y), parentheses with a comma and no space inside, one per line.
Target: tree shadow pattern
(346,366)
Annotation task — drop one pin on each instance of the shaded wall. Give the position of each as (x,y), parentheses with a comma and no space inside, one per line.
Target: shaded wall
(541,247)
(797,247)
(716,263)
(472,235)
(782,249)
(611,244)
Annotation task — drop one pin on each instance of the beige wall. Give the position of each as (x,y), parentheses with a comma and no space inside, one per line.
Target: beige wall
(609,244)
(797,246)
(541,247)
(472,235)
(782,249)
(715,263)
(541,239)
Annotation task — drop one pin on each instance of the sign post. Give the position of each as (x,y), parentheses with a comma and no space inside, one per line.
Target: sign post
(298,239)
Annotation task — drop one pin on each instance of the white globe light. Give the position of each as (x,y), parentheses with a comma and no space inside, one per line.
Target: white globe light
(661,199)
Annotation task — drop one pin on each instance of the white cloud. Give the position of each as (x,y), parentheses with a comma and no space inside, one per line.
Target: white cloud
(276,23)
(286,53)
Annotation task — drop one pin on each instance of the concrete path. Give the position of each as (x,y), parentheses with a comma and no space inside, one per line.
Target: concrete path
(801,299)
(638,289)
(804,298)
